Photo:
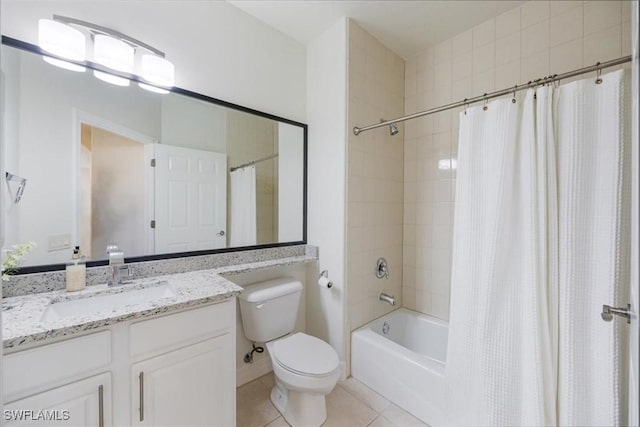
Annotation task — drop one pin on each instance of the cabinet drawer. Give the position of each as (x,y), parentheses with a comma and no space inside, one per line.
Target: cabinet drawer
(157,334)
(32,370)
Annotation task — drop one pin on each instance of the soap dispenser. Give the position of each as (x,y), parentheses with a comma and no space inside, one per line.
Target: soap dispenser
(76,271)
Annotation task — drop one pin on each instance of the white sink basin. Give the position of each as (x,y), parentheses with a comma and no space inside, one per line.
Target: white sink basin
(105,302)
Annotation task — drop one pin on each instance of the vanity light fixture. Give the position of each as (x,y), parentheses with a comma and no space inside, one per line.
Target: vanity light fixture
(63,41)
(65,38)
(115,54)
(158,71)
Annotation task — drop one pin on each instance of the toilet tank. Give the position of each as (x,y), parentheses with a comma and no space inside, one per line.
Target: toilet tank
(269,309)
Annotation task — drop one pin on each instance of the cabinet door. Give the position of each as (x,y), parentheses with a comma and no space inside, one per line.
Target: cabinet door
(81,403)
(192,386)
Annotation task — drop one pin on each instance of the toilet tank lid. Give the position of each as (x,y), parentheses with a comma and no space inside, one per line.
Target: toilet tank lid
(270,289)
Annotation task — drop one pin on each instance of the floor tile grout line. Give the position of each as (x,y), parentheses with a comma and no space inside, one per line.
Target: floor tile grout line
(362,401)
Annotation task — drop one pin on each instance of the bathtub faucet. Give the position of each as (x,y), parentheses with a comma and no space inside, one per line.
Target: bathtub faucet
(387,298)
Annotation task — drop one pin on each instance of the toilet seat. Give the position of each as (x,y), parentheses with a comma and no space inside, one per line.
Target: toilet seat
(305,355)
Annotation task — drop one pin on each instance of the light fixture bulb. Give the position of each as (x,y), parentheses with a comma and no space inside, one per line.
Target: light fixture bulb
(113,53)
(64,64)
(110,78)
(61,40)
(157,70)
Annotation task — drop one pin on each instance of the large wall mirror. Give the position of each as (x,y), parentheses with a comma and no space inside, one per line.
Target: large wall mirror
(156,174)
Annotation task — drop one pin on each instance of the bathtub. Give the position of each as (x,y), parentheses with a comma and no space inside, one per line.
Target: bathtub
(402,357)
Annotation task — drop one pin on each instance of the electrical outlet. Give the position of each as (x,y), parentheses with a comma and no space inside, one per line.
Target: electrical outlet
(59,242)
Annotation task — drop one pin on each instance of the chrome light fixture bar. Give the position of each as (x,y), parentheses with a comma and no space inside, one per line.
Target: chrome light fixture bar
(112,51)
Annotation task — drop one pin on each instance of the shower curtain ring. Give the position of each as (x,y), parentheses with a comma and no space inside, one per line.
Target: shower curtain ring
(485,107)
(466,104)
(598,72)
(515,89)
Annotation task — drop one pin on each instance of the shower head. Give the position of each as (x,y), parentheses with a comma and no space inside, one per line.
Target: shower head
(393,128)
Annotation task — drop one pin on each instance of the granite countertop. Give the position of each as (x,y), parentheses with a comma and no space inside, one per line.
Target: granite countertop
(25,319)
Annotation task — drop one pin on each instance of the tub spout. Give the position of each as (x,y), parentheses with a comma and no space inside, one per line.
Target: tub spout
(387,298)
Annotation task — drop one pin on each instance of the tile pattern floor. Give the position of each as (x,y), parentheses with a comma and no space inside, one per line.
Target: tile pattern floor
(350,404)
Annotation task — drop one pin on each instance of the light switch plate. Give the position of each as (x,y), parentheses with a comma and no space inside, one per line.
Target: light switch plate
(59,242)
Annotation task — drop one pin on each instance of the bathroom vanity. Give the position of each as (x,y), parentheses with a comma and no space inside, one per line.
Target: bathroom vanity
(153,352)
(176,369)
(158,351)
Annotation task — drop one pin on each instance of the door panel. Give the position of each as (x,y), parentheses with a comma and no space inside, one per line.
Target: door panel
(191,198)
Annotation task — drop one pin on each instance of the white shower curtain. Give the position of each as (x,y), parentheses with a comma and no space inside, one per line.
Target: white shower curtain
(539,246)
(243,207)
(592,125)
(500,364)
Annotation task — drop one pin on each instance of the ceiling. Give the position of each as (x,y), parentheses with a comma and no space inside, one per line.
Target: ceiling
(406,27)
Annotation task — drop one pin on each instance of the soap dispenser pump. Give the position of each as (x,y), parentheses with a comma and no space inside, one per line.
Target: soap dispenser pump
(76,271)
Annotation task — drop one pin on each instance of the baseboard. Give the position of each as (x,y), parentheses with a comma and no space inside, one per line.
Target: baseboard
(251,371)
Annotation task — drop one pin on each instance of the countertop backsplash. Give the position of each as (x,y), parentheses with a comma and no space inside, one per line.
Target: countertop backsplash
(24,284)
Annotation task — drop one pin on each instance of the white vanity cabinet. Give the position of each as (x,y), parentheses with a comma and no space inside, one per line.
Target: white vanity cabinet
(67,381)
(186,387)
(176,369)
(83,403)
(192,385)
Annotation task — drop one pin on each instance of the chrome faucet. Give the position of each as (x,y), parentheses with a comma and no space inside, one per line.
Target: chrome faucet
(387,298)
(120,272)
(382,270)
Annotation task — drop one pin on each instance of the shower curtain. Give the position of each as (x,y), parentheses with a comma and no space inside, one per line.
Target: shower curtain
(243,207)
(524,325)
(594,208)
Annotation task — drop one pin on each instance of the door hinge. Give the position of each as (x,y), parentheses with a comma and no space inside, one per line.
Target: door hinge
(153,163)
(153,223)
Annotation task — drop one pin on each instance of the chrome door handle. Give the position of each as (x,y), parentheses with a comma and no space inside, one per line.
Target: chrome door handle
(100,405)
(141,378)
(608,312)
(220,233)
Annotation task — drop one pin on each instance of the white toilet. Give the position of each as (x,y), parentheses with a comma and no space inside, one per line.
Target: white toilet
(305,367)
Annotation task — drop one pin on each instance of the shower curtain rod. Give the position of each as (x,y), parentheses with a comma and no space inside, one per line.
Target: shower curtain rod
(548,79)
(253,162)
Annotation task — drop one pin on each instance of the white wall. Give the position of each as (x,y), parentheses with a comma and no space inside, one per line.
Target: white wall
(290,191)
(191,123)
(326,116)
(217,49)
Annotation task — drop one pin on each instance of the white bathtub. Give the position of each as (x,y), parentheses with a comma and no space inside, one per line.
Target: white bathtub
(405,364)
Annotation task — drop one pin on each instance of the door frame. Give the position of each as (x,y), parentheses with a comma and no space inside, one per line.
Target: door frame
(83,117)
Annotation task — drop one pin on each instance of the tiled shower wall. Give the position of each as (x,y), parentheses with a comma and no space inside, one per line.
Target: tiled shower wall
(374,177)
(534,40)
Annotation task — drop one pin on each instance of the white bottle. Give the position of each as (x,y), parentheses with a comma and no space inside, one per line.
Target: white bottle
(76,272)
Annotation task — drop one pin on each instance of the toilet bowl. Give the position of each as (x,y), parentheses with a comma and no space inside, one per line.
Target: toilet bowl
(306,369)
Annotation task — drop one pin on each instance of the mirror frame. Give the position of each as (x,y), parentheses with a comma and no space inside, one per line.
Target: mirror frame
(29,47)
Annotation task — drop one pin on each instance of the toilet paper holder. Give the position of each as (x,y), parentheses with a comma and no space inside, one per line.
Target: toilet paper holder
(324,274)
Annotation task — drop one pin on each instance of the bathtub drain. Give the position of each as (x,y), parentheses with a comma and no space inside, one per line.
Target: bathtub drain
(385,328)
